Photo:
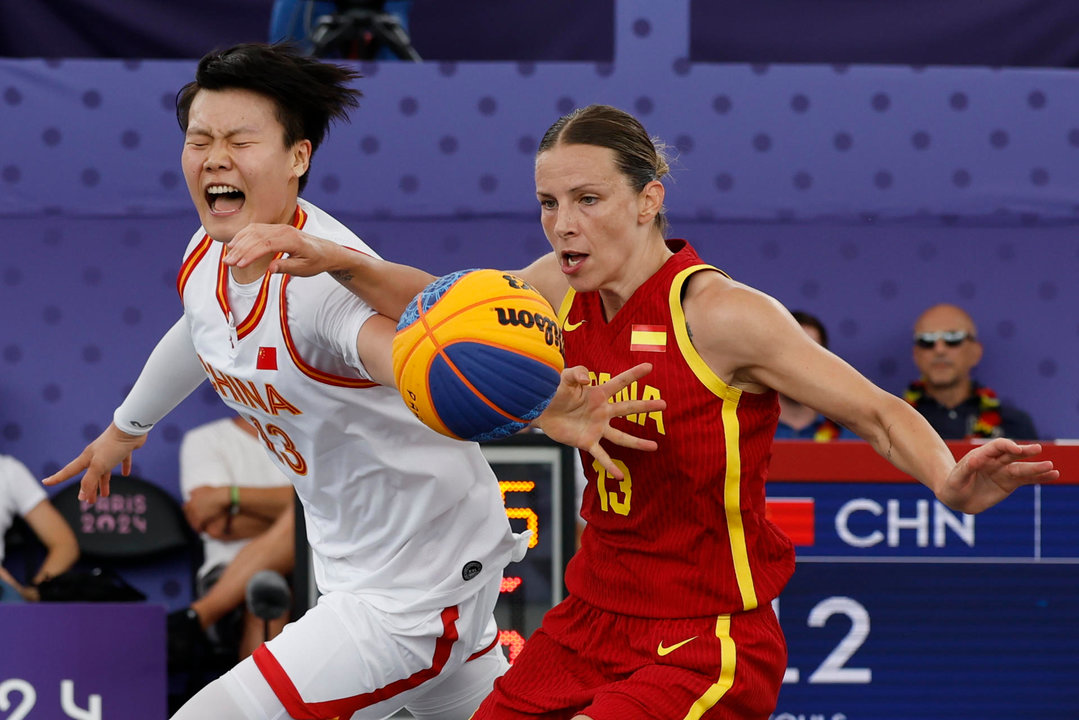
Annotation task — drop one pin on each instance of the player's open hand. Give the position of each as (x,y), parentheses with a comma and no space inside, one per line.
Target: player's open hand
(990,472)
(307,255)
(580,413)
(111,448)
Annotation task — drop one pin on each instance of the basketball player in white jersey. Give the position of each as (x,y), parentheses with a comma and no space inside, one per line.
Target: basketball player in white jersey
(407,527)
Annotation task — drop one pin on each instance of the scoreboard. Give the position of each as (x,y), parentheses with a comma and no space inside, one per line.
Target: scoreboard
(901,608)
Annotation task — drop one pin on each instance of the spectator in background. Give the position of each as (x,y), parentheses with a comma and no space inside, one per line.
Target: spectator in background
(232,493)
(22,496)
(946,350)
(801,422)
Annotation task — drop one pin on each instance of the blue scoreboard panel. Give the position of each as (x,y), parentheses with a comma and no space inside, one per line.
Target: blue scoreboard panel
(901,608)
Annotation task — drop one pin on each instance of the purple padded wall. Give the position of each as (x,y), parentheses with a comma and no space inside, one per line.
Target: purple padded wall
(862,194)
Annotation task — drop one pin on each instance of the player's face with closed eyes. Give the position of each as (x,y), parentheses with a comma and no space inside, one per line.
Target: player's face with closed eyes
(237,167)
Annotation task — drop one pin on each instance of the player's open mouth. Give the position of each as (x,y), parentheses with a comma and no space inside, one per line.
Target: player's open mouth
(224,199)
(571,260)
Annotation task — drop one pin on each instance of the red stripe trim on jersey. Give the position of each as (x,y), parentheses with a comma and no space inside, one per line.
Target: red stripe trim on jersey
(481,653)
(249,323)
(309,370)
(222,289)
(190,262)
(298,708)
(253,318)
(299,218)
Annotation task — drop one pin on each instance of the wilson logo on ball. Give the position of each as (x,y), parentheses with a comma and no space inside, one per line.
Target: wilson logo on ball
(478,355)
(552,334)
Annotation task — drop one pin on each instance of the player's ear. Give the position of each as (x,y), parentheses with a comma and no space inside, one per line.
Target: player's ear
(650,202)
(301,157)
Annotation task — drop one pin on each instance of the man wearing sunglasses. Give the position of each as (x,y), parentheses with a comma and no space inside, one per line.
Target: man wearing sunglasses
(946,350)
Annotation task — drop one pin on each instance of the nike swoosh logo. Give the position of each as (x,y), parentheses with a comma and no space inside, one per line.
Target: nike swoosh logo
(567,326)
(662,651)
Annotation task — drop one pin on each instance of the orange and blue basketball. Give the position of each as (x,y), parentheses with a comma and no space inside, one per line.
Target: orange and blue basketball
(478,354)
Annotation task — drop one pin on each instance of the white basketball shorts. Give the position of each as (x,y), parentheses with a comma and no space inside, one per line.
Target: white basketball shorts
(344,658)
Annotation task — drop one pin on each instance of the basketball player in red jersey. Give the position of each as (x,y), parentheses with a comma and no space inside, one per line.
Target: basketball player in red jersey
(669,614)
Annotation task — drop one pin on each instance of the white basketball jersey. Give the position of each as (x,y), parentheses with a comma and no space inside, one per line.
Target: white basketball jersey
(408,517)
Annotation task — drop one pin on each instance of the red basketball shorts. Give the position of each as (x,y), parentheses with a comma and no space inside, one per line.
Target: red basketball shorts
(614,667)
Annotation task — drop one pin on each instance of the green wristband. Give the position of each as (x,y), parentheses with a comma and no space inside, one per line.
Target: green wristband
(234,500)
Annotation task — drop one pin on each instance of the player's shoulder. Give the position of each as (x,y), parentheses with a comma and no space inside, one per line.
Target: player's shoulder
(719,307)
(195,241)
(717,294)
(324,225)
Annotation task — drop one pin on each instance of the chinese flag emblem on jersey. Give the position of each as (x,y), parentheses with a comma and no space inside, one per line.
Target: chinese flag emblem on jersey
(267,358)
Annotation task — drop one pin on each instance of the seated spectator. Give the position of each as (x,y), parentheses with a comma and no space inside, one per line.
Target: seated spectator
(23,496)
(274,550)
(946,350)
(232,494)
(798,421)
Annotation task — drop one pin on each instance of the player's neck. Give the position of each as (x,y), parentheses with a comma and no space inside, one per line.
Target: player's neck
(251,273)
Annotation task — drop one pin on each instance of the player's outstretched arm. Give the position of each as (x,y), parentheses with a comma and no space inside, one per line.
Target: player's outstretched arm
(111,448)
(580,413)
(385,286)
(172,372)
(991,472)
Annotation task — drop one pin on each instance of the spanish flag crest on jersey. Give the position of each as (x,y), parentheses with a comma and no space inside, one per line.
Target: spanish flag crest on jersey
(648,338)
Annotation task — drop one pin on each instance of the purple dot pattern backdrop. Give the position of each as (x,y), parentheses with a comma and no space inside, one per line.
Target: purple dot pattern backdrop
(862,194)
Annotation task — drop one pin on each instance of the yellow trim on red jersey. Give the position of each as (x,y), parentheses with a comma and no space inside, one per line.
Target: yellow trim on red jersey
(681,333)
(732,505)
(732,481)
(728,660)
(563,309)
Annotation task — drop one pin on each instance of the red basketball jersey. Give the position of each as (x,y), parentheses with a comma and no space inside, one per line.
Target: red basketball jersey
(684,534)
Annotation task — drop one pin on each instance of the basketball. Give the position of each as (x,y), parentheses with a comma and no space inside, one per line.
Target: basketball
(478,354)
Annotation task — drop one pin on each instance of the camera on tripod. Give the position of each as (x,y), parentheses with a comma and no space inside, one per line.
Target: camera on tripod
(360,30)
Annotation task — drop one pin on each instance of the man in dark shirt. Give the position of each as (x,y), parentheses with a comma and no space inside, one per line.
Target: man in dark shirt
(946,349)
